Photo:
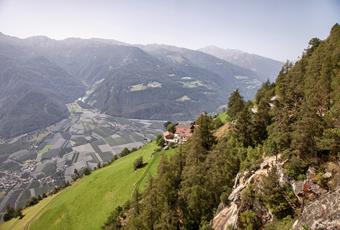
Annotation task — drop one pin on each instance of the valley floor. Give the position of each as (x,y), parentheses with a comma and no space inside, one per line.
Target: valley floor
(34,164)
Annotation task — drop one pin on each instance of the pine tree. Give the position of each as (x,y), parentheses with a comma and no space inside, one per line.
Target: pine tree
(235,104)
(242,129)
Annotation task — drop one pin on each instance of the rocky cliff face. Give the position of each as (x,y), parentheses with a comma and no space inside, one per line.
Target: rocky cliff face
(319,208)
(228,216)
(323,213)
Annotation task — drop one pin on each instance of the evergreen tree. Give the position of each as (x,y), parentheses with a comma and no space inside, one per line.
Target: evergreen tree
(242,129)
(235,104)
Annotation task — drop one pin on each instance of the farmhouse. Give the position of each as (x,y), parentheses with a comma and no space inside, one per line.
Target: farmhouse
(182,134)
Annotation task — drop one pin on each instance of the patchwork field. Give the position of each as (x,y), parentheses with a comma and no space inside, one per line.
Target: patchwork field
(87,203)
(34,164)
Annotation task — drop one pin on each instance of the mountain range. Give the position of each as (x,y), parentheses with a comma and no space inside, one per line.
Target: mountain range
(266,68)
(39,76)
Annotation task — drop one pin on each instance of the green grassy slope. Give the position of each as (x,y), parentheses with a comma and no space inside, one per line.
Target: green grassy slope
(88,202)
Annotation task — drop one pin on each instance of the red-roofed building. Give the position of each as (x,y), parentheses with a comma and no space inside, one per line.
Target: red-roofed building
(183,133)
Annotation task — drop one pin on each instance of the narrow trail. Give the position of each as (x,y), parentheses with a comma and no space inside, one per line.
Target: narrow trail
(147,171)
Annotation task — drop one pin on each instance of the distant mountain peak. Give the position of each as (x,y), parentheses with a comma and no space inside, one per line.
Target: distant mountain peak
(266,68)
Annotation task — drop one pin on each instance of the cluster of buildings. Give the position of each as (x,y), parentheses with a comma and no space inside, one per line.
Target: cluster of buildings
(10,178)
(182,134)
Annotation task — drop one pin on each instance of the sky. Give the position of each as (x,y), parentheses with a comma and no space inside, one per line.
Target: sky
(274,28)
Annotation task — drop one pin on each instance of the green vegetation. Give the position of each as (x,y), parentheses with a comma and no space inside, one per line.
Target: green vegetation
(274,195)
(235,104)
(12,213)
(30,214)
(190,183)
(224,117)
(171,127)
(290,117)
(138,163)
(284,224)
(45,149)
(160,140)
(98,194)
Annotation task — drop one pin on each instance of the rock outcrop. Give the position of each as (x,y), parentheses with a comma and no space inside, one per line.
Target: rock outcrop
(228,216)
(323,213)
(320,206)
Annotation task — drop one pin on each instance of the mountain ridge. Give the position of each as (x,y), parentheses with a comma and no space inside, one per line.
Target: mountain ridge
(266,67)
(159,82)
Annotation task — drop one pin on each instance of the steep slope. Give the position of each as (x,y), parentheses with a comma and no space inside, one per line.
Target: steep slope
(266,68)
(231,76)
(33,90)
(147,82)
(127,81)
(87,203)
(272,169)
(305,130)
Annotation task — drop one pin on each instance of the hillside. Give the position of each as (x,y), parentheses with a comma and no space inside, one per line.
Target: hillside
(88,202)
(145,82)
(277,162)
(33,90)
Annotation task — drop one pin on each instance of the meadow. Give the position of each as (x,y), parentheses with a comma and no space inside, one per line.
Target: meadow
(89,201)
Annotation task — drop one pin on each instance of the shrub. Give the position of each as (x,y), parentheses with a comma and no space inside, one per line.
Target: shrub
(124,152)
(224,196)
(217,123)
(12,213)
(138,163)
(113,221)
(171,128)
(249,220)
(87,171)
(32,202)
(296,168)
(284,224)
(160,140)
(253,159)
(275,196)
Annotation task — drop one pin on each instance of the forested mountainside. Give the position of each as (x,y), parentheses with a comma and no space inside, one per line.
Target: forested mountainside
(273,167)
(148,82)
(266,68)
(33,90)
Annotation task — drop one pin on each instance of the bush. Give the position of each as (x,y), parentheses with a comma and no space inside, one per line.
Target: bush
(124,152)
(296,168)
(138,163)
(171,128)
(275,196)
(253,159)
(157,149)
(32,202)
(249,220)
(113,221)
(160,140)
(87,171)
(12,213)
(284,224)
(224,196)
(217,123)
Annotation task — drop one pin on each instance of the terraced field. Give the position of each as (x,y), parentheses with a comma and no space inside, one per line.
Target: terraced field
(87,203)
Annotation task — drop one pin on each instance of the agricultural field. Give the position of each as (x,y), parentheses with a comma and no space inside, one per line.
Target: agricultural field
(34,164)
(98,194)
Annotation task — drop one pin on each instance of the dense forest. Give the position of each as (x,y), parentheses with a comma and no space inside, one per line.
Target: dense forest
(296,119)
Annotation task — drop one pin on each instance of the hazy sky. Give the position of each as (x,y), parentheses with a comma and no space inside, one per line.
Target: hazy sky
(274,28)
